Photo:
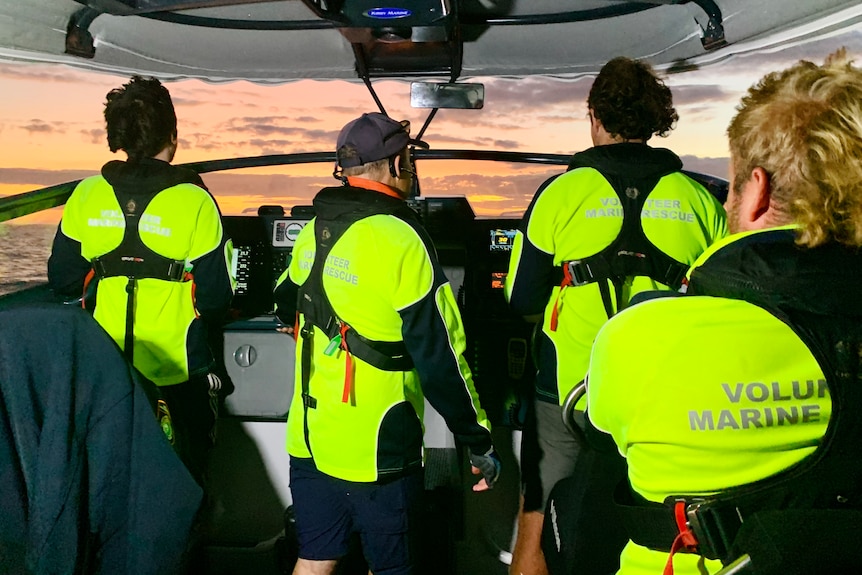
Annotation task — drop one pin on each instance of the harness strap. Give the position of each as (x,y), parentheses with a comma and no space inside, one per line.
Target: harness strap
(308,402)
(313,302)
(384,355)
(711,522)
(134,260)
(594,269)
(150,266)
(129,345)
(630,254)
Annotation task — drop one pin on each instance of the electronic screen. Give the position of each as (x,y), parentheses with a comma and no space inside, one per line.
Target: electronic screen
(498,280)
(501,240)
(241,268)
(284,232)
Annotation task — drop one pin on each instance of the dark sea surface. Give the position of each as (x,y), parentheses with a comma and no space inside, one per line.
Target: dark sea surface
(24,251)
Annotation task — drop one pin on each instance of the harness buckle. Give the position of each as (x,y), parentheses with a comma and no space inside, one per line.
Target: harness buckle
(711,531)
(99,267)
(176,270)
(307,330)
(578,272)
(692,521)
(715,526)
(309,401)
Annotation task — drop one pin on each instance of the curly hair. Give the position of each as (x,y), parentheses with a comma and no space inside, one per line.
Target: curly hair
(803,127)
(140,118)
(631,101)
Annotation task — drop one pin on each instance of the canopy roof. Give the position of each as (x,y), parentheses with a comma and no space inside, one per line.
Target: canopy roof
(270,42)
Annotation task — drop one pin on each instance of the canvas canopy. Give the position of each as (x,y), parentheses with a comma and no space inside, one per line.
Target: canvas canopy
(282,41)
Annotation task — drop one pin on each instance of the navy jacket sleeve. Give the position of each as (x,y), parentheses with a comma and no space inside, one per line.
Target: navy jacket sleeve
(213,289)
(67,268)
(446,380)
(285,300)
(533,270)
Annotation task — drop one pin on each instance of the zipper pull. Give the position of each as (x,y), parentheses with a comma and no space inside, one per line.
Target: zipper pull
(333,345)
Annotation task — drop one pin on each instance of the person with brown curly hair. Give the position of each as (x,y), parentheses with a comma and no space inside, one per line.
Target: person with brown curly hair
(737,405)
(623,219)
(142,246)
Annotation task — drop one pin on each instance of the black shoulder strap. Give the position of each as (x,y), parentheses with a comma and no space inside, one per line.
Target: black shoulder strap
(316,308)
(134,260)
(631,253)
(318,312)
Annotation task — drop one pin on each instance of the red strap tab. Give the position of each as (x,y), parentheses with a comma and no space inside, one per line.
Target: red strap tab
(90,275)
(346,395)
(189,277)
(567,281)
(684,539)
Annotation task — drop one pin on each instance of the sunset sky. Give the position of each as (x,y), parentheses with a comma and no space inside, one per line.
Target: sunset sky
(51,128)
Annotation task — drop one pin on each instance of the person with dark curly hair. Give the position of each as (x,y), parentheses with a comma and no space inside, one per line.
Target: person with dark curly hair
(623,219)
(142,246)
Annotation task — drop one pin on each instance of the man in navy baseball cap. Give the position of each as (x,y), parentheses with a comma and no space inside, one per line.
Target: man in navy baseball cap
(379,328)
(371,137)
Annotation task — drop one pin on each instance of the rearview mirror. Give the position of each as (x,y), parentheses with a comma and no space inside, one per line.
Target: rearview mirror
(440,95)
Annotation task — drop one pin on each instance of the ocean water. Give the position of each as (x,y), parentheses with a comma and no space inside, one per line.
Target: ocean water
(24,251)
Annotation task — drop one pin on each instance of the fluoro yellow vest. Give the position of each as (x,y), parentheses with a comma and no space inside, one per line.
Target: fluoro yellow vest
(181,223)
(578,215)
(378,267)
(701,394)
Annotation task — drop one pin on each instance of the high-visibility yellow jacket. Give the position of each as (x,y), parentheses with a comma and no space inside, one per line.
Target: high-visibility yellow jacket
(382,279)
(181,222)
(577,215)
(706,392)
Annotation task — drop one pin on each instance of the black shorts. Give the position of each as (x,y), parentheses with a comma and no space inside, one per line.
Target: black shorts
(328,510)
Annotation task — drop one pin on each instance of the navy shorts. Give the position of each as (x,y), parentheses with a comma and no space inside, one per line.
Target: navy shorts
(385,515)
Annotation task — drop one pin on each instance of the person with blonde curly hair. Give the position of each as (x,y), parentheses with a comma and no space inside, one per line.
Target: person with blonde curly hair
(794,133)
(736,405)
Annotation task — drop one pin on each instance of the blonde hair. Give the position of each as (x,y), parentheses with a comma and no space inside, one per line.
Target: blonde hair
(803,126)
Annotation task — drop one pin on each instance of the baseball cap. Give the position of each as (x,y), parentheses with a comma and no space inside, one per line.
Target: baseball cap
(371,137)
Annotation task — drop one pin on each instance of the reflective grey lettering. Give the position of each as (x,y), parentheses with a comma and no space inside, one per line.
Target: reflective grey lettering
(790,417)
(776,393)
(701,422)
(810,413)
(757,391)
(799,394)
(734,397)
(750,418)
(725,419)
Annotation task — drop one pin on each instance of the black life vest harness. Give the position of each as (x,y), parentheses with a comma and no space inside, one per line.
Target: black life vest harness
(314,305)
(630,254)
(828,479)
(134,260)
